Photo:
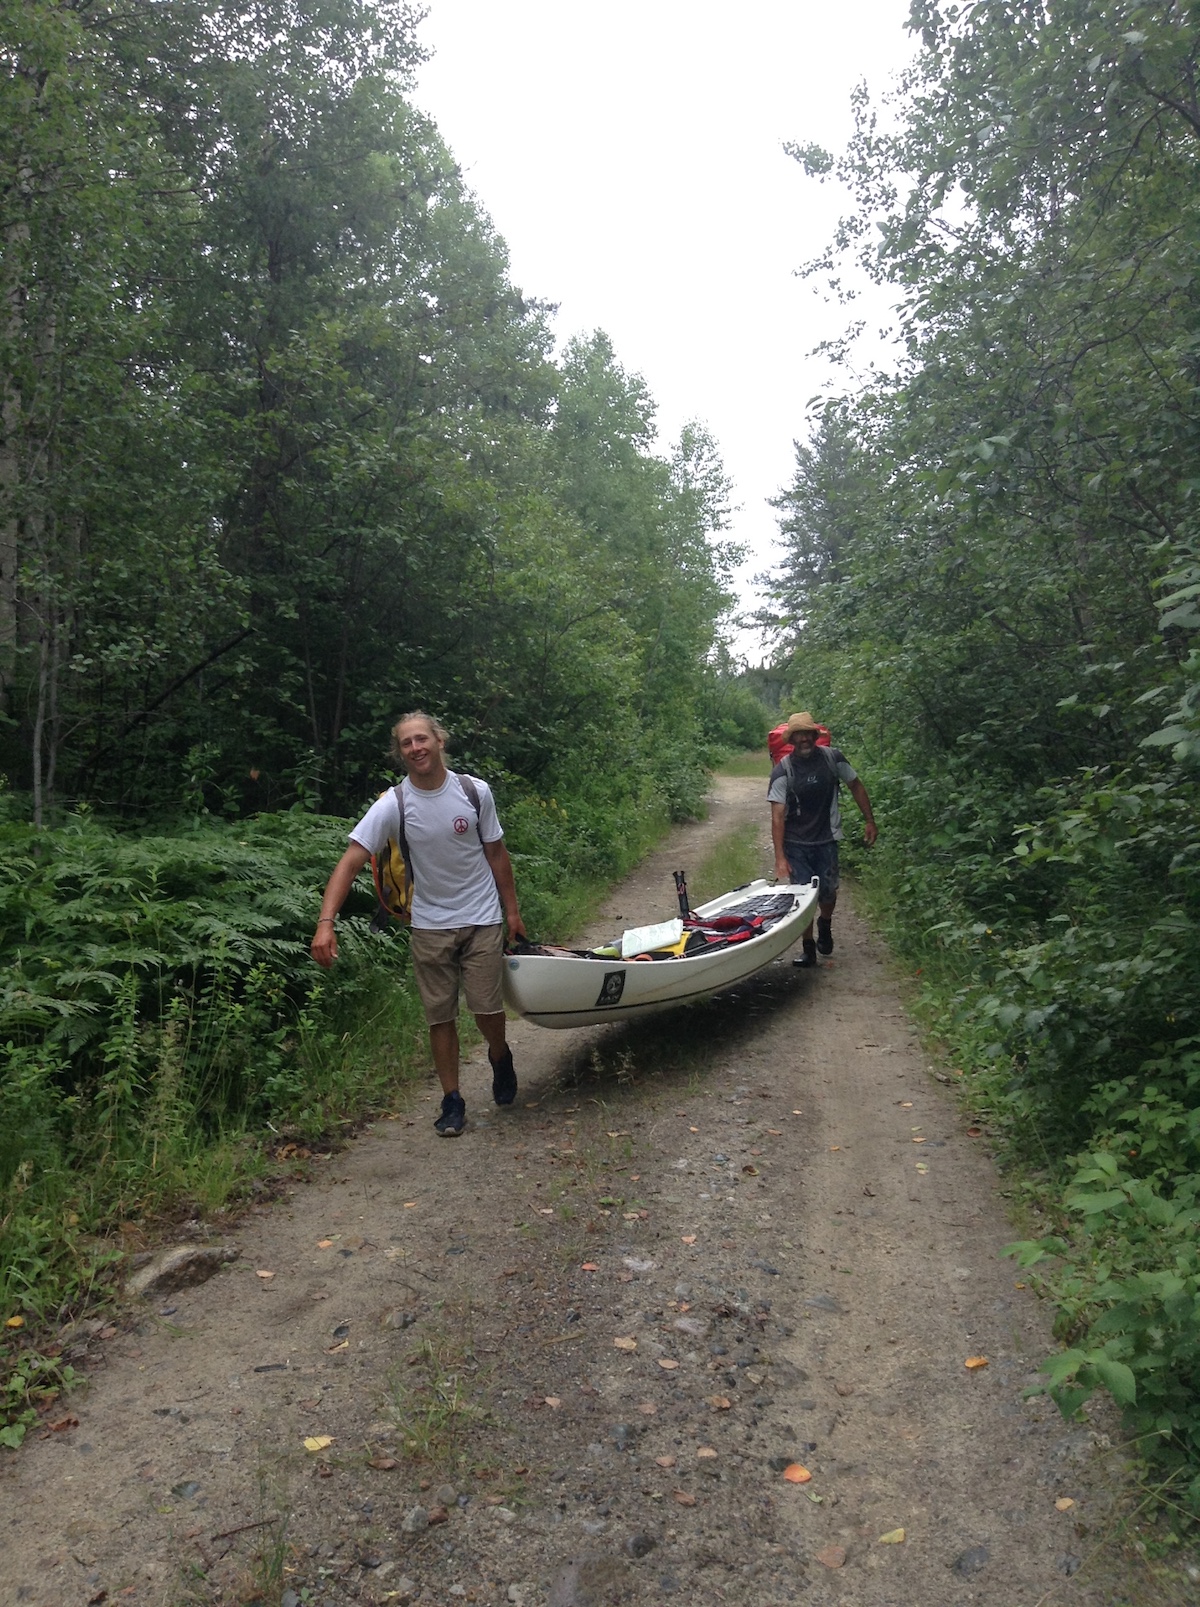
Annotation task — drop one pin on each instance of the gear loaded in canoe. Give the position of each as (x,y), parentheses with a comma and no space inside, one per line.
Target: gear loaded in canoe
(655,968)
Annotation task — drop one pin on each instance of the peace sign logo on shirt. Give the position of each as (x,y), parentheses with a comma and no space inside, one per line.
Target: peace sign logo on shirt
(461,825)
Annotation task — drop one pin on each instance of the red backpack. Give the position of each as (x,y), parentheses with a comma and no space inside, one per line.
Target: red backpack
(779,747)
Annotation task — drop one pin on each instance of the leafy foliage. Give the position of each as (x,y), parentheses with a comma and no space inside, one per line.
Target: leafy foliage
(33,1383)
(285,452)
(989,588)
(158,999)
(1130,1282)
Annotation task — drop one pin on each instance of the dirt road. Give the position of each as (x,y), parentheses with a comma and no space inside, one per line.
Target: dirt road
(566,1359)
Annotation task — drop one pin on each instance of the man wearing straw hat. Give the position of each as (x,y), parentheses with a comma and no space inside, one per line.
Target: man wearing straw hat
(806,822)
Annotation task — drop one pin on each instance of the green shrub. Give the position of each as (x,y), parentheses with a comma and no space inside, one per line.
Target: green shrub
(1128,1284)
(1051,925)
(158,1007)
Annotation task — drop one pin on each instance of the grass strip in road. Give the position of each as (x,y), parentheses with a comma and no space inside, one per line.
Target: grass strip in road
(734,859)
(755,763)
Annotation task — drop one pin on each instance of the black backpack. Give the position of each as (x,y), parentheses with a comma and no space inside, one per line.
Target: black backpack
(792,796)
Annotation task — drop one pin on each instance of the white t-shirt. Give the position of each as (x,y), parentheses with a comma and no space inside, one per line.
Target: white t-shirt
(453,883)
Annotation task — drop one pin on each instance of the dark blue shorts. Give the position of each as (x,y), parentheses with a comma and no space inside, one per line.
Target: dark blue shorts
(807,860)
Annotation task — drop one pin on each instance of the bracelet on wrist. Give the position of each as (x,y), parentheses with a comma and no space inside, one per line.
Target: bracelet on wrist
(321,919)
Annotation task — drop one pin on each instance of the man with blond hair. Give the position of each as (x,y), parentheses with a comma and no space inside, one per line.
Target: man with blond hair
(463,893)
(806,822)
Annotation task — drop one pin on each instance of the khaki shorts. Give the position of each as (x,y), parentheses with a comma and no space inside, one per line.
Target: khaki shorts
(439,959)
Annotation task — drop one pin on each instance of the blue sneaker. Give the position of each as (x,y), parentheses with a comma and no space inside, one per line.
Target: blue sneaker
(504,1078)
(454,1116)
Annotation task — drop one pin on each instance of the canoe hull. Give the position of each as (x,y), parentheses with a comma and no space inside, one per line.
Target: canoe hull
(571,991)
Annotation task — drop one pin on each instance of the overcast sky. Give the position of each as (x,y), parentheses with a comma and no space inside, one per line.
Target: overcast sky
(631,155)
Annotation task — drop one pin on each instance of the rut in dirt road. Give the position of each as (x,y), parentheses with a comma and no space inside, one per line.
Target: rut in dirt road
(571,1357)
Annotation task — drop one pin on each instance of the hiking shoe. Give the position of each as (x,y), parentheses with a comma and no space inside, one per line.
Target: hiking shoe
(810,956)
(824,935)
(504,1078)
(454,1116)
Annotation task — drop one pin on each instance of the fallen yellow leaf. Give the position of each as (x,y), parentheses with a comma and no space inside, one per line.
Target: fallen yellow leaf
(797,1113)
(922,1168)
(264,1274)
(693,1129)
(331,1350)
(318,1442)
(1064,1504)
(628,1343)
(974,1362)
(15,1322)
(833,1148)
(553,1400)
(705,1451)
(410,1205)
(894,1537)
(775,1132)
(796,1473)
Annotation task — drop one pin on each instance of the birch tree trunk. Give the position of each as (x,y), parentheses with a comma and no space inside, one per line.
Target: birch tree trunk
(16,239)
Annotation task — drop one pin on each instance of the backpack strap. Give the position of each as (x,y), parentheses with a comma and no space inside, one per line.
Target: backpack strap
(472,791)
(401,835)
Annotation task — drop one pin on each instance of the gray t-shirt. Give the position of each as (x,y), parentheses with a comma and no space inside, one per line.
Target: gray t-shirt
(453,883)
(814,815)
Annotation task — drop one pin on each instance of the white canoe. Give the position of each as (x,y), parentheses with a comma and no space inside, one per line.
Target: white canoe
(566,990)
